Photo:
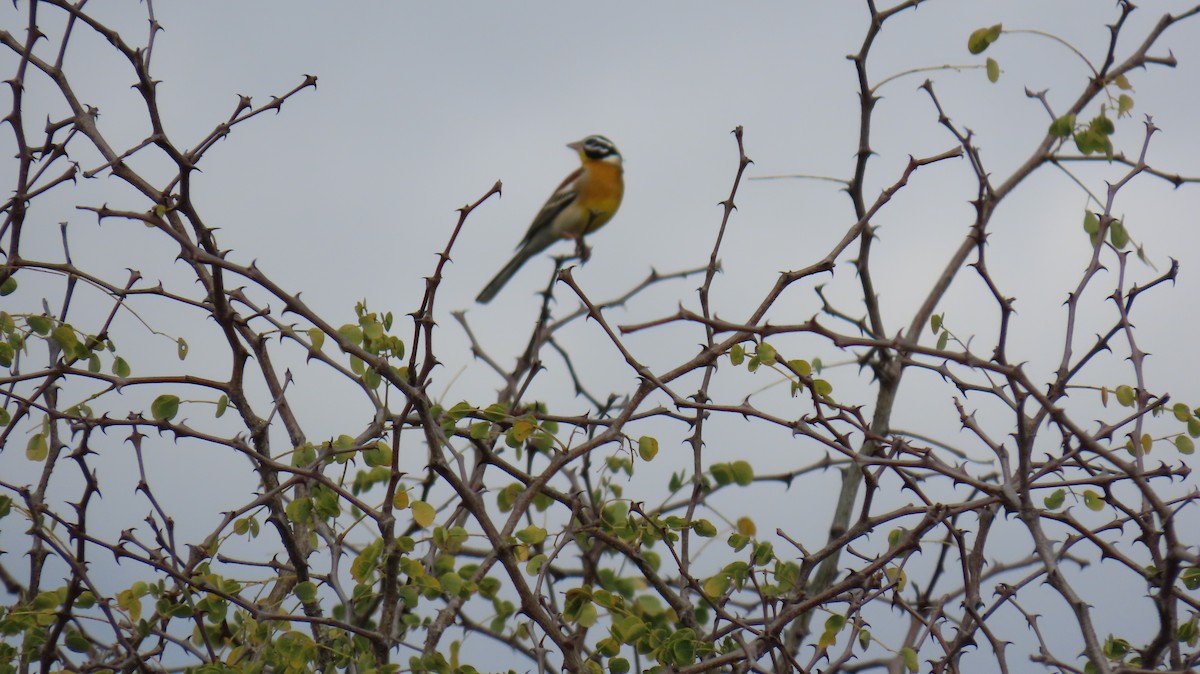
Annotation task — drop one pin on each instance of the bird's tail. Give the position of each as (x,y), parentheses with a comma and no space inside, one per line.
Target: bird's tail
(505,274)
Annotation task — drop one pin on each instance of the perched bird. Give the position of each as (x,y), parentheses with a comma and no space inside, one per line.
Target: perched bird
(583,203)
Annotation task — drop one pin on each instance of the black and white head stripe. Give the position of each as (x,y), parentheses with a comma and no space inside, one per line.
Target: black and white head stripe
(599,147)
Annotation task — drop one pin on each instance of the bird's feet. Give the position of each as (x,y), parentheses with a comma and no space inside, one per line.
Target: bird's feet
(581,249)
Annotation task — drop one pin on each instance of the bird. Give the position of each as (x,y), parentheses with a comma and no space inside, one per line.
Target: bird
(585,201)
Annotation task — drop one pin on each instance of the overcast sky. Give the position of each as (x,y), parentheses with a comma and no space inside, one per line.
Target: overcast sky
(351,190)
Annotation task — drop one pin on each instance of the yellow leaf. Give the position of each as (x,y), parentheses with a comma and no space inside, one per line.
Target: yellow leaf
(423,513)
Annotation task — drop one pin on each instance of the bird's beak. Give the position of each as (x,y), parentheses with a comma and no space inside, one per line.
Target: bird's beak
(577,146)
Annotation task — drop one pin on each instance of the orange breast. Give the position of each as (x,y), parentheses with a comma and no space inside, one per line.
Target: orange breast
(601,192)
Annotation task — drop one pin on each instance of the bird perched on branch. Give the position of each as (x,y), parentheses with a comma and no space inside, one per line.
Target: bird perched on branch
(583,203)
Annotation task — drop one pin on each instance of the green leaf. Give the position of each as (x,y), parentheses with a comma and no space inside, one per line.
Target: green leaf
(993,70)
(1125,395)
(1124,105)
(823,387)
(1181,411)
(1184,444)
(935,323)
(181,348)
(8,287)
(743,472)
(306,591)
(716,585)
(535,564)
(316,338)
(1091,223)
(864,638)
(1093,500)
(351,333)
(982,38)
(1055,500)
(165,407)
(75,641)
(531,535)
(423,513)
(942,340)
(647,448)
(300,510)
(618,666)
(1062,126)
(737,354)
(766,354)
(1117,234)
(121,368)
(36,449)
(222,405)
(1123,83)
(6,354)
(5,417)
(94,363)
(910,658)
(722,473)
(704,528)
(39,324)
(66,338)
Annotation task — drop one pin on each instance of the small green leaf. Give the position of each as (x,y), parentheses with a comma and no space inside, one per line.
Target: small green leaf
(316,338)
(423,513)
(737,354)
(76,642)
(766,354)
(993,70)
(943,339)
(716,585)
(1125,395)
(1091,223)
(94,363)
(8,287)
(1093,500)
(5,417)
(1184,444)
(910,658)
(1181,411)
(1124,105)
(864,638)
(647,448)
(1055,500)
(222,405)
(181,348)
(121,368)
(1117,234)
(704,528)
(165,407)
(935,323)
(982,38)
(306,591)
(36,449)
(1062,126)
(722,473)
(39,324)
(66,338)
(1123,83)
(531,535)
(743,472)
(351,333)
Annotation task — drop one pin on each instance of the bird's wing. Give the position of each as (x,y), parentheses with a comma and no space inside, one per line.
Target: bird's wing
(558,201)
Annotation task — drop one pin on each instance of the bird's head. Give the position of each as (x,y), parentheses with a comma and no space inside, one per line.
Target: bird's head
(596,148)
